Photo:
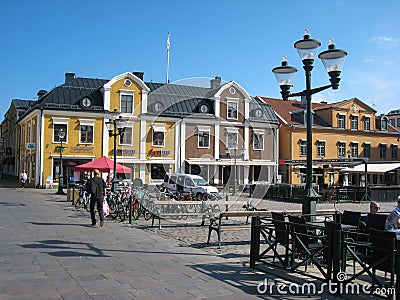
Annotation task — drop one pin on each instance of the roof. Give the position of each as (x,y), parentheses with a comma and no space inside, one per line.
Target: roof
(22,104)
(292,112)
(183,101)
(68,95)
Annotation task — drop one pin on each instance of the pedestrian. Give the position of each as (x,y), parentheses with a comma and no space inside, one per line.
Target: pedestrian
(393,220)
(22,178)
(97,193)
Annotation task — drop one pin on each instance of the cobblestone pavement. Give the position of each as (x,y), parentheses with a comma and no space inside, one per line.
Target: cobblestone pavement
(235,243)
(49,251)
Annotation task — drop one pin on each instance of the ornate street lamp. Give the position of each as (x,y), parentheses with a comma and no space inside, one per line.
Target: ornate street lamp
(333,60)
(116,127)
(61,136)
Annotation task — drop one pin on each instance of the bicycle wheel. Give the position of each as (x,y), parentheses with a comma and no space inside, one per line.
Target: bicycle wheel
(113,207)
(121,211)
(136,209)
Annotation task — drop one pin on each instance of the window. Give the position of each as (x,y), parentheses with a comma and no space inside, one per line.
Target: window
(126,103)
(56,129)
(384,124)
(58,124)
(393,122)
(395,152)
(158,135)
(382,151)
(367,123)
(158,138)
(126,137)
(303,148)
(86,134)
(158,171)
(367,150)
(341,123)
(258,141)
(232,110)
(341,149)
(321,148)
(354,150)
(232,140)
(203,139)
(354,122)
(398,122)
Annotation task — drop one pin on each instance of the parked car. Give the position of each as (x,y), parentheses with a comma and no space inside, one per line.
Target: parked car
(186,183)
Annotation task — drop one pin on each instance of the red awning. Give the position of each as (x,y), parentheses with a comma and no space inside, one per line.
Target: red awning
(103,164)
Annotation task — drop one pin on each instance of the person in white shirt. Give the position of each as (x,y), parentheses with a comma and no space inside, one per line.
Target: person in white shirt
(393,220)
(22,178)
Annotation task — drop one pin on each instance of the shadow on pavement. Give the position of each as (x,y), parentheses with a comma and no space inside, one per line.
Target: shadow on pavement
(67,248)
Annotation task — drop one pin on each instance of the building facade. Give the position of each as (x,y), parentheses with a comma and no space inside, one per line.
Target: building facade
(341,131)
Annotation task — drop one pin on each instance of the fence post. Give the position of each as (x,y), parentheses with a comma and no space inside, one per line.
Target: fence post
(255,241)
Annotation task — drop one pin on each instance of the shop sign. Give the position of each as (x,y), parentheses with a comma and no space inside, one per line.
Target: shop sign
(30,146)
(159,152)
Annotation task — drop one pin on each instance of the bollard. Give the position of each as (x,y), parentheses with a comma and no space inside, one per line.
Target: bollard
(130,211)
(226,205)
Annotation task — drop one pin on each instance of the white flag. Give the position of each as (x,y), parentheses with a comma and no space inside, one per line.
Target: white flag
(168,43)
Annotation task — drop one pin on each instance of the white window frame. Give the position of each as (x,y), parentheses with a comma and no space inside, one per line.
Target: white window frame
(383,150)
(231,132)
(84,122)
(354,149)
(235,102)
(321,148)
(158,128)
(341,119)
(60,121)
(303,148)
(354,121)
(367,123)
(127,128)
(258,135)
(341,149)
(203,130)
(130,93)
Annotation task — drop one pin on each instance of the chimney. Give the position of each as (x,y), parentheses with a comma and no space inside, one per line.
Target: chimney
(139,74)
(69,77)
(216,82)
(41,93)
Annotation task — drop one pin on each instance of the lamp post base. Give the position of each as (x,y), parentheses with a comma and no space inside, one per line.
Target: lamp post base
(309,200)
(60,192)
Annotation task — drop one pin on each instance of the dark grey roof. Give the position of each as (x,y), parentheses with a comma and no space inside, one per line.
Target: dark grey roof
(268,114)
(154,85)
(69,94)
(22,104)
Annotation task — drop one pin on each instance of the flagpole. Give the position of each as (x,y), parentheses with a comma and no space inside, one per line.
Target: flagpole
(168,46)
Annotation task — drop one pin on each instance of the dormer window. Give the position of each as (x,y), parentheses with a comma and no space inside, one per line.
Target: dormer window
(384,124)
(341,121)
(354,122)
(232,109)
(367,123)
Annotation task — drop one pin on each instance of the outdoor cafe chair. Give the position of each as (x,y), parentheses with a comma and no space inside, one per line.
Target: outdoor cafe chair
(282,236)
(334,237)
(350,219)
(376,221)
(382,256)
(306,245)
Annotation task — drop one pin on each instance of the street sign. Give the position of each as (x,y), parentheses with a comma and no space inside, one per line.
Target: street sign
(30,146)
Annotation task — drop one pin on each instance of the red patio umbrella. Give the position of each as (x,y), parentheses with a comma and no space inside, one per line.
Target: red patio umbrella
(103,164)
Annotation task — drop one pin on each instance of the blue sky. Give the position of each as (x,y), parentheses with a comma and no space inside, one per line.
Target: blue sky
(237,40)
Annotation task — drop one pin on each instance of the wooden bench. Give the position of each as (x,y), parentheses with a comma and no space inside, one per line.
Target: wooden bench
(158,208)
(216,220)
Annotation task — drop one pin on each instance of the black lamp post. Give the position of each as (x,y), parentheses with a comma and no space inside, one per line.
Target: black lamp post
(116,127)
(333,60)
(61,136)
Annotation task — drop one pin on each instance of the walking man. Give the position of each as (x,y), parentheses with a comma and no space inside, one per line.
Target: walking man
(97,191)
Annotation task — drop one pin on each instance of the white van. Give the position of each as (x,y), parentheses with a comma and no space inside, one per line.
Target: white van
(185,183)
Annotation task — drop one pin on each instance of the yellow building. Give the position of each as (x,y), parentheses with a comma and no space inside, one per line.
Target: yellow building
(343,130)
